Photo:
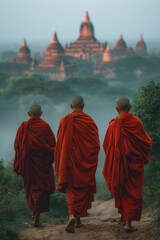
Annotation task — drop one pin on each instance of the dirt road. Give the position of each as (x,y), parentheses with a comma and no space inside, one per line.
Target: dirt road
(99,225)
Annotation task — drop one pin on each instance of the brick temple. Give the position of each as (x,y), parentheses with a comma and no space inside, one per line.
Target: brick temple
(57,65)
(141,48)
(86,44)
(24,54)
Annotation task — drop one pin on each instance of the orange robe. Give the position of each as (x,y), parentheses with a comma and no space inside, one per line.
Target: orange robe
(76,157)
(127,146)
(34,146)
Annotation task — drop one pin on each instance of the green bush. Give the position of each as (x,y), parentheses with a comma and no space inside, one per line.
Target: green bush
(35,84)
(25,84)
(147,107)
(14,210)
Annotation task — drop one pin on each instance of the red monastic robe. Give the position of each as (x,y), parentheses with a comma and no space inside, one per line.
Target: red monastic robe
(127,146)
(76,157)
(34,146)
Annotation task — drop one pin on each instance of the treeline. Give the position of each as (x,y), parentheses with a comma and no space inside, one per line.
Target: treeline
(35,83)
(29,88)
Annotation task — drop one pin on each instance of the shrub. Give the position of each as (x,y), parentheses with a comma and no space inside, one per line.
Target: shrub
(147,107)
(14,211)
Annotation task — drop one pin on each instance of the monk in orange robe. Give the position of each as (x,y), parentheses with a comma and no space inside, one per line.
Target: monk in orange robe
(76,157)
(34,154)
(127,146)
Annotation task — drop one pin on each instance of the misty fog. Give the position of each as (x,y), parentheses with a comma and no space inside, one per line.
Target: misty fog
(52,113)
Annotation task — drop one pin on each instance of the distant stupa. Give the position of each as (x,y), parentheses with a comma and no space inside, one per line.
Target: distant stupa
(141,48)
(55,54)
(24,54)
(107,56)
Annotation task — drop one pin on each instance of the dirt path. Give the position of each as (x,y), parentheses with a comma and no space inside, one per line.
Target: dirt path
(99,225)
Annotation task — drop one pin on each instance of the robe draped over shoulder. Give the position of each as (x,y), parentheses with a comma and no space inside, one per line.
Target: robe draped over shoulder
(76,158)
(34,153)
(127,146)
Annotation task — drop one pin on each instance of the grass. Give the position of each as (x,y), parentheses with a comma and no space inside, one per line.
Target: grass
(14,210)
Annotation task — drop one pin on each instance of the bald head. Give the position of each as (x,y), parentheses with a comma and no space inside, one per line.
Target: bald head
(123,105)
(77,102)
(35,110)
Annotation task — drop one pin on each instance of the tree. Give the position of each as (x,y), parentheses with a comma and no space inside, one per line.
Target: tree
(147,107)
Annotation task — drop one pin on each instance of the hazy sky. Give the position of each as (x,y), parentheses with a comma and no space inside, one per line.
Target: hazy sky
(38,19)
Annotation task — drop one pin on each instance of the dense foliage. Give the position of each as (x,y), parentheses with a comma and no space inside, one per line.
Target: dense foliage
(26,89)
(34,83)
(147,107)
(14,211)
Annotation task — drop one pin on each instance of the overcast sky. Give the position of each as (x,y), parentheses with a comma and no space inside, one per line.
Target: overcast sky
(36,20)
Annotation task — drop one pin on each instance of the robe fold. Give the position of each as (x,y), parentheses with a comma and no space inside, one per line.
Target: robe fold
(34,154)
(76,158)
(127,146)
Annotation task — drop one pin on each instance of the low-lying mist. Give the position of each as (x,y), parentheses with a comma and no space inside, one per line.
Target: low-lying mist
(101,112)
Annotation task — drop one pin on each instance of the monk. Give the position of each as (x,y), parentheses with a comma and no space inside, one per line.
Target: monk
(127,146)
(76,157)
(34,154)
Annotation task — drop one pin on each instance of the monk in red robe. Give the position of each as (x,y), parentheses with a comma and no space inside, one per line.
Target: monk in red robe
(76,157)
(34,146)
(127,146)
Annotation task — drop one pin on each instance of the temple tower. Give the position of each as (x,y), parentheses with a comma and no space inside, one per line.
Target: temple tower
(107,55)
(24,54)
(121,50)
(86,44)
(120,44)
(54,54)
(86,29)
(141,48)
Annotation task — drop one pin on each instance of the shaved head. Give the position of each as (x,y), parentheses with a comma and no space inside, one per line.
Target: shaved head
(35,110)
(77,102)
(123,104)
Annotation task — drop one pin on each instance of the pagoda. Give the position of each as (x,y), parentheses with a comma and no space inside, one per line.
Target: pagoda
(121,50)
(24,54)
(107,55)
(86,44)
(106,68)
(55,54)
(141,48)
(55,64)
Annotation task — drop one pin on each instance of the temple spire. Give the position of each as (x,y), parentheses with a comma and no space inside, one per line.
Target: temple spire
(108,48)
(86,18)
(121,37)
(24,44)
(107,56)
(141,38)
(55,39)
